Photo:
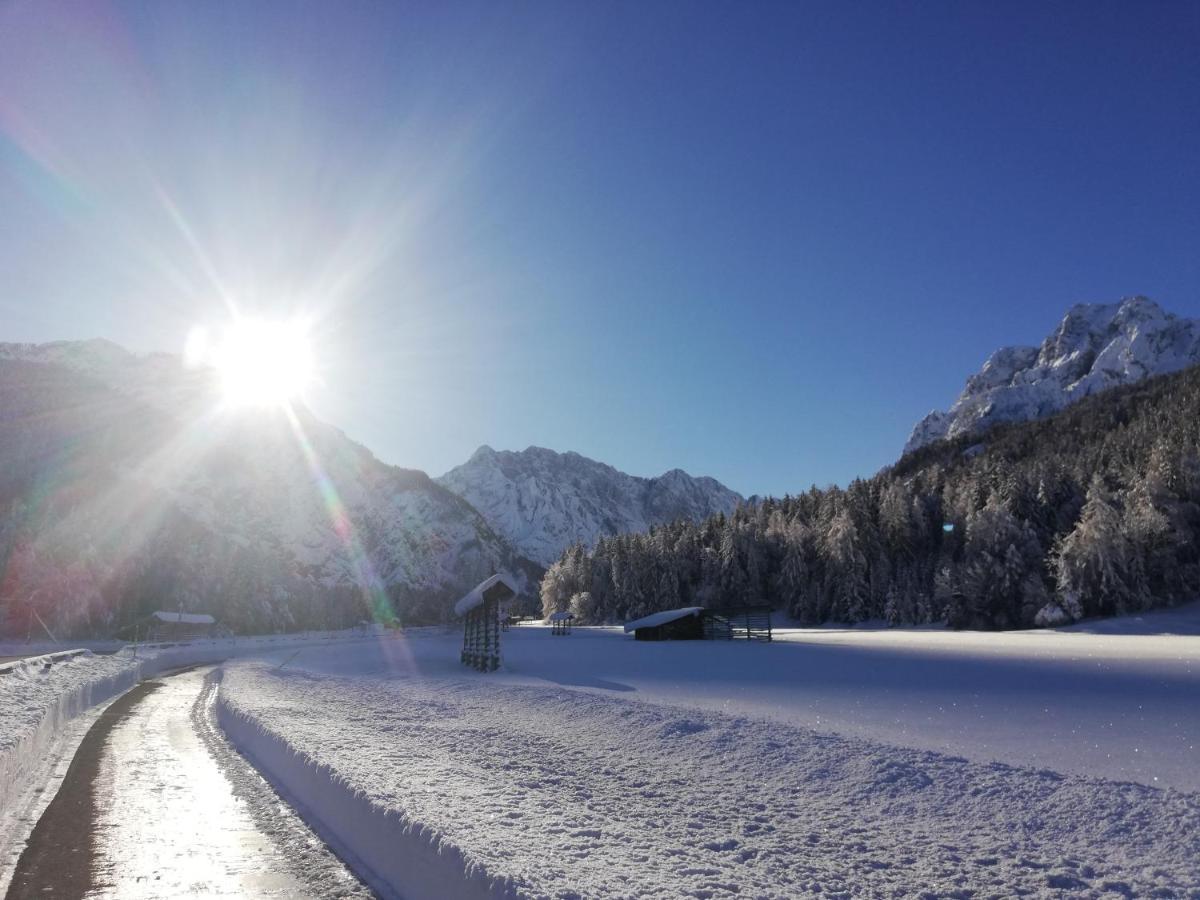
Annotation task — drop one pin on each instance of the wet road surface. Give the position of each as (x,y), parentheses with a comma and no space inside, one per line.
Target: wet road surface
(156,804)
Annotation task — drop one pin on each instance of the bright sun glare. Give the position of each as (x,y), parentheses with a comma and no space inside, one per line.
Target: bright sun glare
(260,363)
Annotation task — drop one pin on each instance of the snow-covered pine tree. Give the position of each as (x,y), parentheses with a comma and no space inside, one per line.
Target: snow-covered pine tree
(1094,564)
(1002,583)
(846,584)
(734,583)
(792,580)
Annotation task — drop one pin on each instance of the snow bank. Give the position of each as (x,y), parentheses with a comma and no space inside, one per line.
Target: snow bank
(40,695)
(579,790)
(395,854)
(1180,620)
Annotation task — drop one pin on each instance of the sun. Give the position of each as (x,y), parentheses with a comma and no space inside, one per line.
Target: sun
(260,363)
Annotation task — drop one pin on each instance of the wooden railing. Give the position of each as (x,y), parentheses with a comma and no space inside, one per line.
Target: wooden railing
(750,623)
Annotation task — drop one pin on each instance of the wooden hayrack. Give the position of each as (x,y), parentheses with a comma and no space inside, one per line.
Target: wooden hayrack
(560,623)
(481,610)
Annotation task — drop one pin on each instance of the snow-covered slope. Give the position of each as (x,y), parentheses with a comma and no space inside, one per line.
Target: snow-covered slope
(122,489)
(543,501)
(156,379)
(1096,346)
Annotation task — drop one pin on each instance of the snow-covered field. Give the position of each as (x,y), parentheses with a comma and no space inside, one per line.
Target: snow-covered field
(839,763)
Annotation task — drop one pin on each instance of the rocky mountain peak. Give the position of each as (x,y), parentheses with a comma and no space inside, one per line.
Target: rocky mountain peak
(1095,346)
(543,501)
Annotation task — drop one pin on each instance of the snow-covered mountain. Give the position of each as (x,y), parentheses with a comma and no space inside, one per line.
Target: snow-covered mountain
(121,486)
(543,501)
(1096,346)
(155,379)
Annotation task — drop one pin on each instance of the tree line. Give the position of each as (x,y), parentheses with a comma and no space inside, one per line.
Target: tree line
(1094,511)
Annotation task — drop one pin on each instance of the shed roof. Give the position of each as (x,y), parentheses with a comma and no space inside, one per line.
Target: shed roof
(560,616)
(498,583)
(662,618)
(184,618)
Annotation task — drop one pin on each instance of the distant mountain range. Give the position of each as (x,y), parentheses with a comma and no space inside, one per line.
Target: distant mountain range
(1096,346)
(121,492)
(543,501)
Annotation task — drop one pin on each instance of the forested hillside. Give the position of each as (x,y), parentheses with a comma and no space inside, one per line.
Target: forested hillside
(1094,511)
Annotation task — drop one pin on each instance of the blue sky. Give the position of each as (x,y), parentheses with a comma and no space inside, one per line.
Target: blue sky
(756,241)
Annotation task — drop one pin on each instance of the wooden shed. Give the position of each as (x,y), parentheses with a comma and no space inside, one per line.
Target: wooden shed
(480,611)
(560,622)
(694,623)
(178,626)
(670,625)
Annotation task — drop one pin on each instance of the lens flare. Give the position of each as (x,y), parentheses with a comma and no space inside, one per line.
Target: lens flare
(259,362)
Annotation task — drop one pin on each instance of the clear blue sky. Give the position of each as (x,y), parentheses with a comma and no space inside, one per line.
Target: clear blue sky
(756,241)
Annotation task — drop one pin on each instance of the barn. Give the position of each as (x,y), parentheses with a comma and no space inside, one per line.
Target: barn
(694,623)
(481,611)
(179,626)
(684,624)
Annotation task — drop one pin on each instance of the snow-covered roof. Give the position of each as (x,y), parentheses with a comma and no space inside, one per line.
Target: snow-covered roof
(561,616)
(662,618)
(475,598)
(185,618)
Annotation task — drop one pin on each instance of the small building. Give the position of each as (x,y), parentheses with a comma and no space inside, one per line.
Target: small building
(560,622)
(179,626)
(480,611)
(694,623)
(669,625)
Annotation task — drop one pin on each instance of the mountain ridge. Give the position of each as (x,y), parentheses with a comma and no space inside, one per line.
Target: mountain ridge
(150,497)
(543,500)
(122,490)
(1095,347)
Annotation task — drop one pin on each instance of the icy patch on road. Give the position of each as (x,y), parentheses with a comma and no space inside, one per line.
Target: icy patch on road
(179,814)
(553,792)
(323,874)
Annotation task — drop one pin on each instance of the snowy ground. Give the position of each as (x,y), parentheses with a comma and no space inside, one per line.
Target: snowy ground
(44,685)
(46,702)
(29,688)
(17,649)
(844,763)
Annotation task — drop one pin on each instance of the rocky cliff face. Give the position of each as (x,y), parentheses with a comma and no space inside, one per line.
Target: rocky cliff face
(1096,346)
(543,501)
